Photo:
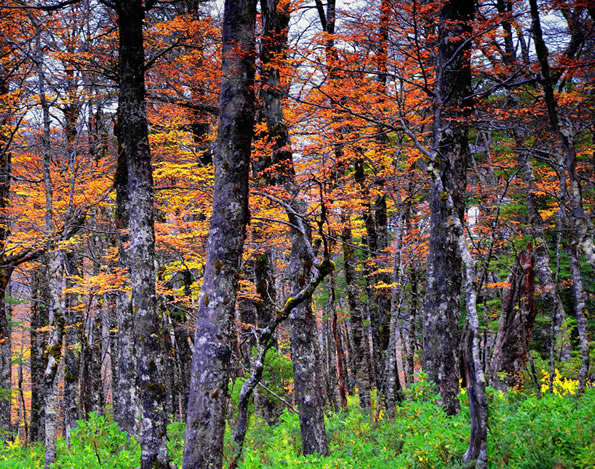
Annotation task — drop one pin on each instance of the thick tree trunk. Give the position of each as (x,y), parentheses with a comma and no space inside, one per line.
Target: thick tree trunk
(205,426)
(133,139)
(453,91)
(126,399)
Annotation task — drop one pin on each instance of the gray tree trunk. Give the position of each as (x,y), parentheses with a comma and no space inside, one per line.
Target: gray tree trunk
(126,399)
(453,91)
(304,338)
(207,407)
(134,142)
(581,318)
(305,353)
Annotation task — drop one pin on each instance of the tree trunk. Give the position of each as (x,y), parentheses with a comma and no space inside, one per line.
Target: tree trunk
(305,349)
(577,218)
(516,323)
(453,91)
(361,350)
(203,447)
(5,358)
(133,136)
(39,339)
(5,340)
(126,399)
(303,335)
(581,318)
(73,348)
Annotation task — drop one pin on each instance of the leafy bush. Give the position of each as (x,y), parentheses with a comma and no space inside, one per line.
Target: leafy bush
(97,442)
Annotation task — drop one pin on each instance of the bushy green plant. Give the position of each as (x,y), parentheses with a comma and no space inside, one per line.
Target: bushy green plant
(97,442)
(16,455)
(524,432)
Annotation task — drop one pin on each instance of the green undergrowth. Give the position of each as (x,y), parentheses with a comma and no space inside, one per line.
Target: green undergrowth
(524,432)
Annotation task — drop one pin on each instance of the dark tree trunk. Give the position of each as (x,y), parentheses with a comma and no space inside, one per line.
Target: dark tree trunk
(269,407)
(72,353)
(126,399)
(303,335)
(361,350)
(5,340)
(134,142)
(453,91)
(183,351)
(516,324)
(576,217)
(207,405)
(39,321)
(5,357)
(305,350)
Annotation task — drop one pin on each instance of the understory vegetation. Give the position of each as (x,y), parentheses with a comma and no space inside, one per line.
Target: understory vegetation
(524,431)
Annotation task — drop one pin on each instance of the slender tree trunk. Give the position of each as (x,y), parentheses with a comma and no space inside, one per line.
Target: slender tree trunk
(581,318)
(133,135)
(577,218)
(5,358)
(361,350)
(305,350)
(207,407)
(5,272)
(264,281)
(303,335)
(39,322)
(516,324)
(72,353)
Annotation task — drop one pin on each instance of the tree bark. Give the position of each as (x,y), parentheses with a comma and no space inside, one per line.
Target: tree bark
(453,91)
(361,350)
(305,349)
(303,334)
(134,142)
(581,318)
(72,353)
(126,399)
(516,324)
(203,446)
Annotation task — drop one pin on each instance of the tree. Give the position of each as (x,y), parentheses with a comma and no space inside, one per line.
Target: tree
(135,151)
(205,423)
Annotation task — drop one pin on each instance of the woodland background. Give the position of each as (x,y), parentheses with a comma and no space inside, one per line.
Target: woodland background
(401,240)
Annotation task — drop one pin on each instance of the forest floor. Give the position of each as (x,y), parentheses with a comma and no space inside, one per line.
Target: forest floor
(554,431)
